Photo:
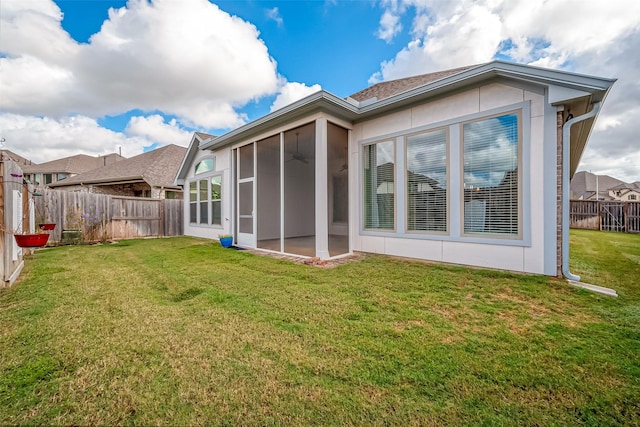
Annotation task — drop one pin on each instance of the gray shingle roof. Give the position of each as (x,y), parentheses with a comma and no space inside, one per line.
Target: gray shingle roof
(158,168)
(15,157)
(73,164)
(389,88)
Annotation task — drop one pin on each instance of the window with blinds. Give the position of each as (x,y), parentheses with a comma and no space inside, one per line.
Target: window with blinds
(379,185)
(427,181)
(491,175)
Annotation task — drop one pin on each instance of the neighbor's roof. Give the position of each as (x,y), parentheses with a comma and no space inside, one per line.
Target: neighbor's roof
(157,168)
(74,164)
(15,157)
(389,88)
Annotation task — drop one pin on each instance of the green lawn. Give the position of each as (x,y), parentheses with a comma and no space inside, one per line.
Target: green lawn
(182,332)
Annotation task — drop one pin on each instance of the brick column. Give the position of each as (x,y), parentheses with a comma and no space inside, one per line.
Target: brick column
(559,123)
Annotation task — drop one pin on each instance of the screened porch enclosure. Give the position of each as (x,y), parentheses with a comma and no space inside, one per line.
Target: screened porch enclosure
(280,197)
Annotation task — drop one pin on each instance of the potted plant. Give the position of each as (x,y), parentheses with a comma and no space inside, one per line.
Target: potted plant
(226,240)
(31,240)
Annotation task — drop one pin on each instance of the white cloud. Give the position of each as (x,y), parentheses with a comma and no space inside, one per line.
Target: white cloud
(291,92)
(41,139)
(144,57)
(586,36)
(156,129)
(274,15)
(389,26)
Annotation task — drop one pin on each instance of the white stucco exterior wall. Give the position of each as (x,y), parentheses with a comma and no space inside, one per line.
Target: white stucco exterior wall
(526,256)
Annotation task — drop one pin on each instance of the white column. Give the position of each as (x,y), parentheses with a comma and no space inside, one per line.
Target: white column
(322,209)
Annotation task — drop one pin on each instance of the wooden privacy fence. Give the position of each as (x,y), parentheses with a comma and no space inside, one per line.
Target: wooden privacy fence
(101,217)
(605,215)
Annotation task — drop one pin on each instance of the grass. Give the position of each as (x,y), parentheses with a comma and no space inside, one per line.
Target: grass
(182,332)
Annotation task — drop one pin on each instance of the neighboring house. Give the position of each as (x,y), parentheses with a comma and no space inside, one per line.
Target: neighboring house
(584,186)
(57,170)
(18,159)
(150,174)
(625,192)
(465,166)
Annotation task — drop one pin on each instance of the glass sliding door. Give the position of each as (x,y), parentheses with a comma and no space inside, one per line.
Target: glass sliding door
(299,191)
(338,189)
(268,195)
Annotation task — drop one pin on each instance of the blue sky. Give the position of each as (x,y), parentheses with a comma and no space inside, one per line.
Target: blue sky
(94,76)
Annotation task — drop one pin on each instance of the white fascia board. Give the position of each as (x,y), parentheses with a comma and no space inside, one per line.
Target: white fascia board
(561,95)
(320,99)
(191,153)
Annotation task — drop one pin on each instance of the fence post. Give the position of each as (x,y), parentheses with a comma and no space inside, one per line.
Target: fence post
(599,208)
(162,207)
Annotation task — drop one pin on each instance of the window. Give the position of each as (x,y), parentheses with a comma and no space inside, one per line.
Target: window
(491,176)
(205,201)
(203,166)
(47,178)
(61,176)
(216,200)
(379,185)
(427,181)
(632,197)
(193,201)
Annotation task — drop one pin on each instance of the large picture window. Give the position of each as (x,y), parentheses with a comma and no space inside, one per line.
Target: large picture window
(491,176)
(427,181)
(379,185)
(205,201)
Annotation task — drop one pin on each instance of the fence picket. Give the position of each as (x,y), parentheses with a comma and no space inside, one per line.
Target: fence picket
(105,217)
(605,215)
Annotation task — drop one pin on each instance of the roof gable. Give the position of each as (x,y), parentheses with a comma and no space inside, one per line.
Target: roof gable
(191,153)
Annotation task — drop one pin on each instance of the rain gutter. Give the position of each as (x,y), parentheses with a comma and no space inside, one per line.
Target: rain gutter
(566,145)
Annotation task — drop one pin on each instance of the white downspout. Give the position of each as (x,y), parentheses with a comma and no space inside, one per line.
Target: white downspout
(566,143)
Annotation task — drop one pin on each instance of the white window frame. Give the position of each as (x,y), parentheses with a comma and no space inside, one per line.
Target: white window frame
(197,181)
